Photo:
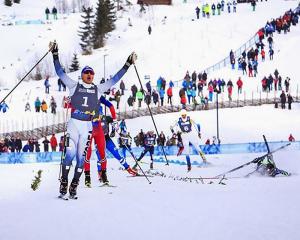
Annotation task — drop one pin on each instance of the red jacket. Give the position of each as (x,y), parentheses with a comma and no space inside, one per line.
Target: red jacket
(169,92)
(53,141)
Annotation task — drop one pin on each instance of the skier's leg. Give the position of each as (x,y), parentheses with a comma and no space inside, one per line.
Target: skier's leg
(186,150)
(193,139)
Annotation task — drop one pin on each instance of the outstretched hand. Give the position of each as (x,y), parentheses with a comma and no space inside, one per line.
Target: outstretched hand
(131,59)
(53,47)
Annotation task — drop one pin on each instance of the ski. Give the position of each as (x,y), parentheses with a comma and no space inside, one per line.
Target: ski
(141,175)
(107,185)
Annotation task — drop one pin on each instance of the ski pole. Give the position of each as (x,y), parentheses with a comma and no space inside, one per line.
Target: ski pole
(136,161)
(162,147)
(255,160)
(25,76)
(62,156)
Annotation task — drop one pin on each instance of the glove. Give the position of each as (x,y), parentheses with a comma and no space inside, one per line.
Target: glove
(53,47)
(115,125)
(131,59)
(199,135)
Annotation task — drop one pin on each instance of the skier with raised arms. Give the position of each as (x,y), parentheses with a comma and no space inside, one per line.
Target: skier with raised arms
(185,126)
(84,104)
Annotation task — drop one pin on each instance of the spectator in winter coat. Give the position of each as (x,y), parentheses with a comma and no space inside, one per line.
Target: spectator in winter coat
(3,107)
(46,144)
(263,55)
(18,144)
(148,87)
(213,9)
(54,12)
(26,147)
(122,87)
(140,97)
(239,84)
(59,83)
(170,95)
(61,144)
(47,12)
(53,105)
(161,95)
(171,84)
(37,104)
(229,89)
(210,92)
(149,30)
(197,12)
(147,98)
(253,4)
(12,144)
(130,101)
(287,84)
(159,83)
(282,99)
(219,6)
(271,53)
(290,100)
(44,106)
(291,138)
(27,107)
(134,90)
(47,85)
(155,97)
(234,6)
(53,143)
(36,145)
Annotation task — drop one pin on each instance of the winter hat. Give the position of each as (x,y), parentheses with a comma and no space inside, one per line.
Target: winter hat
(87,68)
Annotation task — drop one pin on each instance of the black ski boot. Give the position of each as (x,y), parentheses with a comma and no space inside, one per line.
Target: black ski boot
(103,177)
(151,165)
(73,188)
(63,188)
(87,179)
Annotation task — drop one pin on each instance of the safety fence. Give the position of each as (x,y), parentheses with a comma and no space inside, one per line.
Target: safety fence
(32,128)
(236,148)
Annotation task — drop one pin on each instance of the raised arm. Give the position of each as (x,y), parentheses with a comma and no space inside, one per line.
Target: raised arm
(104,87)
(70,83)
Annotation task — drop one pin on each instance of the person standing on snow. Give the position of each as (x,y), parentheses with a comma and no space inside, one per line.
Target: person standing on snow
(185,125)
(84,105)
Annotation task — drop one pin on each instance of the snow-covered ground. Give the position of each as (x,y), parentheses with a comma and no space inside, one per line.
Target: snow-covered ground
(244,208)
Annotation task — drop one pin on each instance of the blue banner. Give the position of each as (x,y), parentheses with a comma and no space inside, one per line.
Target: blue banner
(256,147)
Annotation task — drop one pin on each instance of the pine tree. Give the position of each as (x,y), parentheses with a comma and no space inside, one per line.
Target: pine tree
(75,63)
(86,32)
(104,22)
(98,30)
(8,3)
(111,16)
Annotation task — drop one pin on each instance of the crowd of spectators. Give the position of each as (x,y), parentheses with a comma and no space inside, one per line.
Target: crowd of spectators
(15,144)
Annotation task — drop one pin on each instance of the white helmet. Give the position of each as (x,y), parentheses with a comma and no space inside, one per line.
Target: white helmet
(183,112)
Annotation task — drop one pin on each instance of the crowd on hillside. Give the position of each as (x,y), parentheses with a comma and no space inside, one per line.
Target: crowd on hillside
(15,144)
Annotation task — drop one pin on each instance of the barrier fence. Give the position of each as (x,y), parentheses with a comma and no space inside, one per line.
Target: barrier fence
(254,147)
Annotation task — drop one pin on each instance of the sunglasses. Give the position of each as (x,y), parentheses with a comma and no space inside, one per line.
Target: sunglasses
(91,72)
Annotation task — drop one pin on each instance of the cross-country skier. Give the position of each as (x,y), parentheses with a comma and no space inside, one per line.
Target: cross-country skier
(149,142)
(84,101)
(267,167)
(185,125)
(125,141)
(103,123)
